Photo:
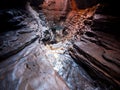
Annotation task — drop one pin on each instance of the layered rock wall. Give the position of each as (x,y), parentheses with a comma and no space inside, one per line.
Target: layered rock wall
(59,44)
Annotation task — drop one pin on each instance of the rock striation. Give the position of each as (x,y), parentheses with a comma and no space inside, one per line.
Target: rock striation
(59,45)
(98,48)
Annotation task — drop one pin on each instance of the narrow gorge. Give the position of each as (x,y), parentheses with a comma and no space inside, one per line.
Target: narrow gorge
(59,45)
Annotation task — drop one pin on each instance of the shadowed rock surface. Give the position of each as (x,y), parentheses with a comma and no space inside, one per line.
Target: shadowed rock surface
(59,45)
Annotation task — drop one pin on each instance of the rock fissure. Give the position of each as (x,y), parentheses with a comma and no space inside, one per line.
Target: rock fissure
(59,45)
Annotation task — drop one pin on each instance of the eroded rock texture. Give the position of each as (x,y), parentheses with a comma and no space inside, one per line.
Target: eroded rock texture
(98,49)
(23,61)
(59,45)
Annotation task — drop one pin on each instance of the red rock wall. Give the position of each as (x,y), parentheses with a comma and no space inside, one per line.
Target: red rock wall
(55,9)
(55,4)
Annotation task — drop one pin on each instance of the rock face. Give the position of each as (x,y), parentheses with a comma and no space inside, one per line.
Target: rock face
(57,11)
(59,45)
(23,65)
(98,49)
(98,57)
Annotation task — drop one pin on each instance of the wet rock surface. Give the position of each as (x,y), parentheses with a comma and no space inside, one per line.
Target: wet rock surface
(74,52)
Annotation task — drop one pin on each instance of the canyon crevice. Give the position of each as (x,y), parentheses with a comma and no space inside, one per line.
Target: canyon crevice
(59,45)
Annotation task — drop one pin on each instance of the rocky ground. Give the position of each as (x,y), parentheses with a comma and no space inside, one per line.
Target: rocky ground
(75,54)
